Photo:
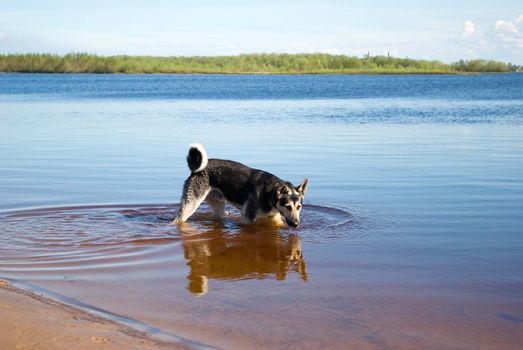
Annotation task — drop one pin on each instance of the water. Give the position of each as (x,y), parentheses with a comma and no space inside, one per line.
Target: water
(411,233)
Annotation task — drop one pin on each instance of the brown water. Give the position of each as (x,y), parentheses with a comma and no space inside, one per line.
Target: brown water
(411,235)
(113,258)
(129,263)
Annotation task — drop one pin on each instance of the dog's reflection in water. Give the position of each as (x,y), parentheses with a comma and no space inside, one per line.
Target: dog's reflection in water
(257,251)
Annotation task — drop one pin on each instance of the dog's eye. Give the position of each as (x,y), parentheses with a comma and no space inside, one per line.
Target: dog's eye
(288,206)
(298,207)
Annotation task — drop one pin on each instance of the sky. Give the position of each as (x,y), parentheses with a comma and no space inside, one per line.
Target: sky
(442,30)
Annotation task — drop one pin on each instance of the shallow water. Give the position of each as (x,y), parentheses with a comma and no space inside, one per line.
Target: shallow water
(411,233)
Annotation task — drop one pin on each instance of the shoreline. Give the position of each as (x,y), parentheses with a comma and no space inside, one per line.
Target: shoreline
(266,73)
(34,321)
(254,63)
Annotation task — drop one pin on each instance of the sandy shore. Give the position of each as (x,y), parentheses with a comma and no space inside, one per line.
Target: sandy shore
(29,321)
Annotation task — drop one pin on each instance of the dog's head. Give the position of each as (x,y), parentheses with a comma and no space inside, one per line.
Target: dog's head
(289,200)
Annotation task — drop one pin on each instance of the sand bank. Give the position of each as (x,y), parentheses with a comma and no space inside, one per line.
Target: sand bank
(29,321)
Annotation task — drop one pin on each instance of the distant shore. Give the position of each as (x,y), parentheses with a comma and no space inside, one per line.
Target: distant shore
(241,64)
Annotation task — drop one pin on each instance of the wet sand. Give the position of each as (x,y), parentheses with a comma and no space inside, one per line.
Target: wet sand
(30,321)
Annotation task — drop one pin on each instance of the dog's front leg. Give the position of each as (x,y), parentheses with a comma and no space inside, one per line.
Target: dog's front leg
(249,210)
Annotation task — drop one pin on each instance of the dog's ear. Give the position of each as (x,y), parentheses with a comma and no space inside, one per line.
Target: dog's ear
(281,191)
(302,187)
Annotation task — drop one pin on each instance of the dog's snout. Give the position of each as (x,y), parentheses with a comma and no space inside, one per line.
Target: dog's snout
(294,224)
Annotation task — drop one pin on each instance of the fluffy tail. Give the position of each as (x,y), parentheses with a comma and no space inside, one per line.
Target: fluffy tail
(197,158)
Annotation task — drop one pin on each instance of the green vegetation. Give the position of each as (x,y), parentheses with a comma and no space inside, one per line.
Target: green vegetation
(252,63)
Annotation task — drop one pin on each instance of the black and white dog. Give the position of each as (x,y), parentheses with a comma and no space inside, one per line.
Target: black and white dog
(254,192)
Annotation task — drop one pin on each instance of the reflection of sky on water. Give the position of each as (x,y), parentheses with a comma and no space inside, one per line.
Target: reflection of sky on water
(430,173)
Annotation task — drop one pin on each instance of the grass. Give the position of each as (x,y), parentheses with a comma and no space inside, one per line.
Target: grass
(249,64)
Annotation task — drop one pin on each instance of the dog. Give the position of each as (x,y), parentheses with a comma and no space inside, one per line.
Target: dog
(256,193)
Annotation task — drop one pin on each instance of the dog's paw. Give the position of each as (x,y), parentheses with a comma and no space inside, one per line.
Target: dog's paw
(176,222)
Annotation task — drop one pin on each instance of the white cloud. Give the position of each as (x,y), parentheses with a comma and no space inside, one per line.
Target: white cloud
(300,47)
(330,51)
(468,29)
(509,33)
(502,41)
(303,47)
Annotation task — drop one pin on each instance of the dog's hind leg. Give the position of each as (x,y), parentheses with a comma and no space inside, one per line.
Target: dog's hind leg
(195,189)
(216,200)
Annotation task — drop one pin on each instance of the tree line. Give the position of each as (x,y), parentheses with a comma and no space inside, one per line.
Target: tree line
(246,63)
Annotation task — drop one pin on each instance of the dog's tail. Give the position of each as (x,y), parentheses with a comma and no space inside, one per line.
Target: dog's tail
(197,158)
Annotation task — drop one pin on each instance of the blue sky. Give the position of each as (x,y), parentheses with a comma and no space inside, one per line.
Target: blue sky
(443,30)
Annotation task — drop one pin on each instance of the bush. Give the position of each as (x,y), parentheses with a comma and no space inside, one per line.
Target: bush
(252,63)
